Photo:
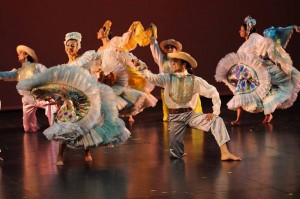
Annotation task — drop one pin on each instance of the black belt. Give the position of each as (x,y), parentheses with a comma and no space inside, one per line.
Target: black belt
(180,110)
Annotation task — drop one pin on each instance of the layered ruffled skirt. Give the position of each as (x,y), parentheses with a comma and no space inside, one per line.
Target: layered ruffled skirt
(131,88)
(96,122)
(258,85)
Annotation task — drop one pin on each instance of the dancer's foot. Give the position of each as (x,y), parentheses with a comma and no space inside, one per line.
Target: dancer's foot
(111,145)
(59,163)
(88,156)
(130,119)
(235,123)
(267,119)
(230,156)
(31,131)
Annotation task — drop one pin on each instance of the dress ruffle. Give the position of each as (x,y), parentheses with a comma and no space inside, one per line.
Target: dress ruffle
(277,54)
(130,101)
(281,90)
(280,35)
(136,80)
(73,76)
(100,126)
(248,100)
(276,89)
(112,130)
(296,88)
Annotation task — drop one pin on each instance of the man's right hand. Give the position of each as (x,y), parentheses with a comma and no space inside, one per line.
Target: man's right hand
(154,30)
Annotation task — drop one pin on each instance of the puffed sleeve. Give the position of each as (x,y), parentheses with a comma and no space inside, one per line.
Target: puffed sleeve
(40,68)
(86,60)
(158,56)
(120,42)
(156,79)
(9,75)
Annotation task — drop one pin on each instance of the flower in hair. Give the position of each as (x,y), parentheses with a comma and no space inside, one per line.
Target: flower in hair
(250,23)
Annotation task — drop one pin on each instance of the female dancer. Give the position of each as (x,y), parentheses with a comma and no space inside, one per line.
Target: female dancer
(260,75)
(87,115)
(133,90)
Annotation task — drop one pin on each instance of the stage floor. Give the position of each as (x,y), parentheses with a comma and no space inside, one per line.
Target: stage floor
(141,168)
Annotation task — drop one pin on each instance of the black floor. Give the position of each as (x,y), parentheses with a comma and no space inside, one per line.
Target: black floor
(141,168)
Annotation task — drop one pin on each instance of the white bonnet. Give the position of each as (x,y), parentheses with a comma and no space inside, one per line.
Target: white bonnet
(75,36)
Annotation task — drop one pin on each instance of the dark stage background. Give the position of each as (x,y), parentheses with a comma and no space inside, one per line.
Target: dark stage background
(208,30)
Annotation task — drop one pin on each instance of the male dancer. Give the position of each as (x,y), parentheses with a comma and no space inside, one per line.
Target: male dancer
(30,67)
(181,89)
(159,53)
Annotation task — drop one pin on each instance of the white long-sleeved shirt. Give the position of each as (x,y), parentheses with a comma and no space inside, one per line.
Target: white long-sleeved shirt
(201,87)
(160,59)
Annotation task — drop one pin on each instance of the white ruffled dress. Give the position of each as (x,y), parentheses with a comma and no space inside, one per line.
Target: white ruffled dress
(93,120)
(129,101)
(260,75)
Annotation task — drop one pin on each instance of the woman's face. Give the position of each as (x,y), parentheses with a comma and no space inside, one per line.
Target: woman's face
(71,47)
(100,33)
(243,32)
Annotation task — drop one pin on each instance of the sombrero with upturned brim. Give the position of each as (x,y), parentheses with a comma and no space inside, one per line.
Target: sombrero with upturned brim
(170,42)
(184,56)
(29,51)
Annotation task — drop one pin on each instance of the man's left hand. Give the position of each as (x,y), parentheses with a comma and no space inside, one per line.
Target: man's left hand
(209,116)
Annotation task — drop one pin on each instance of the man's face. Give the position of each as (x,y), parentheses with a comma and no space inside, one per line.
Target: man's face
(100,33)
(177,66)
(170,49)
(22,57)
(71,47)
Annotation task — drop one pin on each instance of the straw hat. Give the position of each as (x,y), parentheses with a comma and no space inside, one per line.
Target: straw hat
(29,51)
(184,56)
(170,42)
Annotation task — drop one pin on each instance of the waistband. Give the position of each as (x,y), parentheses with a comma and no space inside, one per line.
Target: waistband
(180,110)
